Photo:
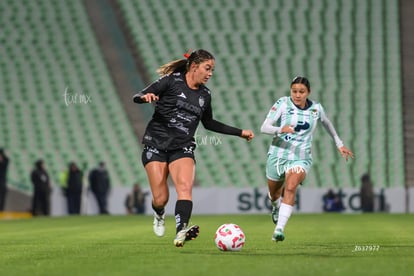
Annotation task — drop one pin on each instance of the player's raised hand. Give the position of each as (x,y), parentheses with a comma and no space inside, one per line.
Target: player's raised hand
(345,152)
(247,134)
(149,97)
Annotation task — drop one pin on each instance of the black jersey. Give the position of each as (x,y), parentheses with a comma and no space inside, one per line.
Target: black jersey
(178,113)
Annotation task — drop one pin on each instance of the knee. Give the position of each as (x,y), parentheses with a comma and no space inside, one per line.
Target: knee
(290,189)
(184,189)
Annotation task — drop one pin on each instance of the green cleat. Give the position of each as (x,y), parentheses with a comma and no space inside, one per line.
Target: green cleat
(278,235)
(275,214)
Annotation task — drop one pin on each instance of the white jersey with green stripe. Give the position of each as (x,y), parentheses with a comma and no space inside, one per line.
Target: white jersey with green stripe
(297,145)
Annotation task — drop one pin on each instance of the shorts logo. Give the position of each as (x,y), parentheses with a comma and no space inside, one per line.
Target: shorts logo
(150,151)
(188,150)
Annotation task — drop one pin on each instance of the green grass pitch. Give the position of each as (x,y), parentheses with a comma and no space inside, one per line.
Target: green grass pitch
(315,244)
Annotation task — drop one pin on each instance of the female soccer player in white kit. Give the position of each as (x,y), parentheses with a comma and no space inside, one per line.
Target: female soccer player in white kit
(292,120)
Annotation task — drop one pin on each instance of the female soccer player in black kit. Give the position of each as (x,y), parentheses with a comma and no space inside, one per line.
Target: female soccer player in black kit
(182,101)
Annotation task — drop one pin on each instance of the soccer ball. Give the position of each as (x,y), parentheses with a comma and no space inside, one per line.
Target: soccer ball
(229,237)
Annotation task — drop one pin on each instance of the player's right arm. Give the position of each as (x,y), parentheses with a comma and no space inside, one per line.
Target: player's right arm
(268,126)
(152,92)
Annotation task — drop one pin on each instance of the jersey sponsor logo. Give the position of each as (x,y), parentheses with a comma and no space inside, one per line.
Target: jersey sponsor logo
(178,125)
(189,107)
(186,117)
(302,126)
(291,111)
(182,95)
(291,138)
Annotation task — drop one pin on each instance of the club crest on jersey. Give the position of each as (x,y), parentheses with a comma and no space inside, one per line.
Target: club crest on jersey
(314,113)
(201,101)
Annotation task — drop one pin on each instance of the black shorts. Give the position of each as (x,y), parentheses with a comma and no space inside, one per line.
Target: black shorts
(153,154)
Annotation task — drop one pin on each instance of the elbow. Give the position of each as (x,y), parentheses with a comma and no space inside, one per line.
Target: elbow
(207,126)
(263,128)
(269,129)
(137,98)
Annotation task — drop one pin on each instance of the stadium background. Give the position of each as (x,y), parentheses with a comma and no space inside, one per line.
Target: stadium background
(105,51)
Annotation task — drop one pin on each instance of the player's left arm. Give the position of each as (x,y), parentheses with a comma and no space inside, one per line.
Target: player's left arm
(345,152)
(216,126)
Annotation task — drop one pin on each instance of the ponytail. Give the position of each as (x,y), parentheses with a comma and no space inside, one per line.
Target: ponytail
(179,65)
(182,65)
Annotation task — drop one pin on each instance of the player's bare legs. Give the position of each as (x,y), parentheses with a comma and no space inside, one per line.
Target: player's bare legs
(292,181)
(157,173)
(275,192)
(275,189)
(182,173)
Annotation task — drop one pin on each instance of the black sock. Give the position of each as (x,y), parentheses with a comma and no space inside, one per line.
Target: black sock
(159,211)
(183,209)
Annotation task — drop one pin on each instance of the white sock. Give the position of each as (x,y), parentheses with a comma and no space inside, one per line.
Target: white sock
(285,212)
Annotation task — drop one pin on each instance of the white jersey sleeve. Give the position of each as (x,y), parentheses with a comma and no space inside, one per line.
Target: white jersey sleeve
(330,128)
(268,126)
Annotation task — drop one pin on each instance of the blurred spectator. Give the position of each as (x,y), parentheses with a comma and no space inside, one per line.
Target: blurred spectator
(135,201)
(41,189)
(367,193)
(100,185)
(332,202)
(4,162)
(74,189)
